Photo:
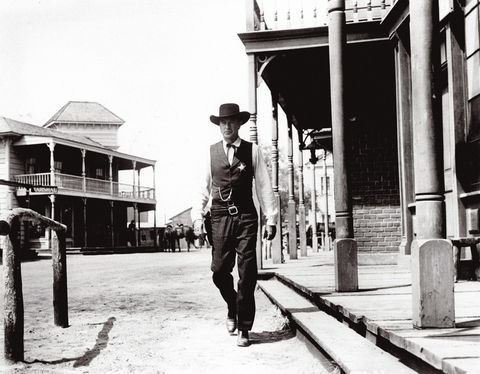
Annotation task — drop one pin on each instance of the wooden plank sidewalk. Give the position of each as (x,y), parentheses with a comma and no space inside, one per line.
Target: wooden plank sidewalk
(383,307)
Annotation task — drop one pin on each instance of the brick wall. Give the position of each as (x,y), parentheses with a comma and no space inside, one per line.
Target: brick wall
(375,188)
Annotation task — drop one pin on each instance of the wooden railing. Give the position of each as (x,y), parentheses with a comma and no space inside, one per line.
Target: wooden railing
(293,14)
(68,182)
(39,179)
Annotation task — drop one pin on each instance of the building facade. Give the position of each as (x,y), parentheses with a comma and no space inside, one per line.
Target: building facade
(398,83)
(75,152)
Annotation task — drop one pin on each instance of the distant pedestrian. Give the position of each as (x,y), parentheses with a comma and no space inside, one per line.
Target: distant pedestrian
(233,163)
(131,233)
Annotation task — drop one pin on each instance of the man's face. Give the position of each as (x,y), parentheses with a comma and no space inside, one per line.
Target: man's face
(229,128)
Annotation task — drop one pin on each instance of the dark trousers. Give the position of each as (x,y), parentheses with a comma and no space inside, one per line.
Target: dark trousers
(236,236)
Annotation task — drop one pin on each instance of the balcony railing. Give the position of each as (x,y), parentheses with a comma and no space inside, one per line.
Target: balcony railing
(67,182)
(293,14)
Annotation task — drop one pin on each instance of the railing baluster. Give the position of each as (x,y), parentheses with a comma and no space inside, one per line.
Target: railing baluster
(275,17)
(301,13)
(262,15)
(288,15)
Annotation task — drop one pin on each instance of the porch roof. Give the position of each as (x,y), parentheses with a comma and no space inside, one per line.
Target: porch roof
(28,134)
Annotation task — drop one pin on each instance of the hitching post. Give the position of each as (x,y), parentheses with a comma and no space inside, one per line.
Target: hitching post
(13,297)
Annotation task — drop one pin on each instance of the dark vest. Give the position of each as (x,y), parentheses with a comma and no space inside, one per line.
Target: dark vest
(232,184)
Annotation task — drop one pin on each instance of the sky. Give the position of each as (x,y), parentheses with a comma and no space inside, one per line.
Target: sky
(162,66)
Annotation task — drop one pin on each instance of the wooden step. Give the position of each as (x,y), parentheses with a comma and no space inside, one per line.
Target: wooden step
(352,352)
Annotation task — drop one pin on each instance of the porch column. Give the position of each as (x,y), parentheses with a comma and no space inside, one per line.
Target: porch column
(457,114)
(292,214)
(85,234)
(302,230)
(110,173)
(313,160)
(138,225)
(7,143)
(134,166)
(138,183)
(51,146)
(346,270)
(432,262)
(326,242)
(252,108)
(52,202)
(112,231)
(405,155)
(155,243)
(277,257)
(52,216)
(84,174)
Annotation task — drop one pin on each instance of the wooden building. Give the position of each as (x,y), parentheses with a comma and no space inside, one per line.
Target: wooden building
(398,83)
(75,151)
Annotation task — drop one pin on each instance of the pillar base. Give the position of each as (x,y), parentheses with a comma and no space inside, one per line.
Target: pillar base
(432,284)
(346,265)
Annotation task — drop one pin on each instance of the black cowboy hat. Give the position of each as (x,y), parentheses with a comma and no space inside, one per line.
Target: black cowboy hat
(230,110)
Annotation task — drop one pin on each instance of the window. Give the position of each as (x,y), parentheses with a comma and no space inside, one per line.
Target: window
(30,165)
(99,173)
(57,165)
(472,51)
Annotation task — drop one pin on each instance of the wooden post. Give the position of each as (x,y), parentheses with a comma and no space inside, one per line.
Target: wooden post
(138,184)
(456,67)
(277,257)
(405,155)
(292,214)
(84,174)
(60,296)
(432,262)
(302,230)
(13,297)
(137,214)
(112,222)
(155,242)
(13,315)
(313,161)
(134,166)
(252,108)
(110,173)
(85,231)
(346,269)
(326,245)
(250,14)
(51,146)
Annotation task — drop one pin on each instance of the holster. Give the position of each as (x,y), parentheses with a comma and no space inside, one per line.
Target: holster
(207,221)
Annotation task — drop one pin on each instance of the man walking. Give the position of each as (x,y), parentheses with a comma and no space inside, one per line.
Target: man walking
(233,164)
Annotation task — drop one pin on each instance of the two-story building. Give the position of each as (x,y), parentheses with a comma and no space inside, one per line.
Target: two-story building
(76,152)
(398,83)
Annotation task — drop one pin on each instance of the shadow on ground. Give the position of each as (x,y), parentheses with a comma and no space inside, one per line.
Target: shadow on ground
(89,355)
(271,336)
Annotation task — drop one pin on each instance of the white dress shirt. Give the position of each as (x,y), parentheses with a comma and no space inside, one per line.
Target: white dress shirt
(263,187)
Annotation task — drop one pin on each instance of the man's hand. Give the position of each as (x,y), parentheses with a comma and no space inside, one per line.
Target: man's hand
(197,227)
(270,231)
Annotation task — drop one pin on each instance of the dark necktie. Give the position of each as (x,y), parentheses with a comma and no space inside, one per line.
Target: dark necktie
(233,146)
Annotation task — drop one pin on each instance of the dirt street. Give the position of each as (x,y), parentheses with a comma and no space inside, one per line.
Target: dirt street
(149,313)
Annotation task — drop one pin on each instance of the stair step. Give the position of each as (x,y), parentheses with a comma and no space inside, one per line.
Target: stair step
(352,352)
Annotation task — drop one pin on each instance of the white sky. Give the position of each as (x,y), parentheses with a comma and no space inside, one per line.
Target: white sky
(163,66)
